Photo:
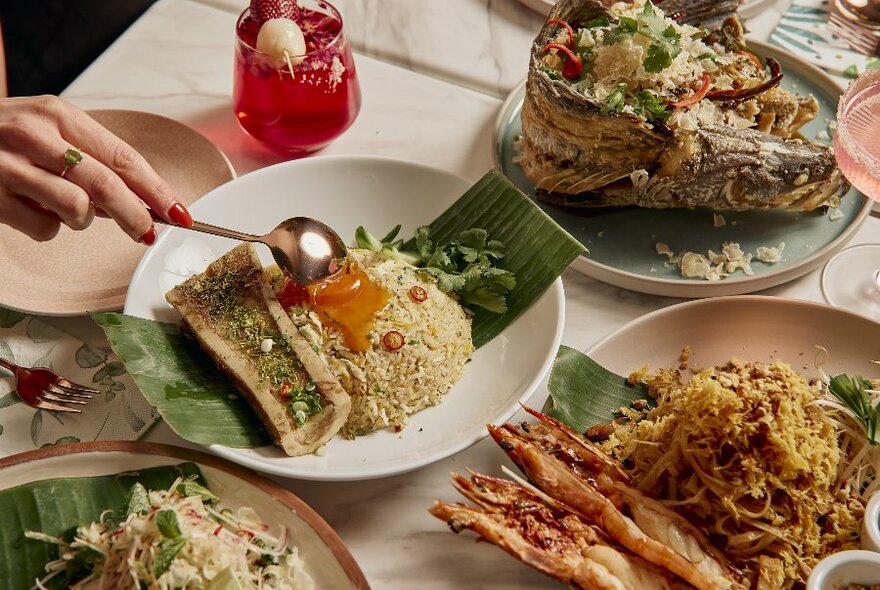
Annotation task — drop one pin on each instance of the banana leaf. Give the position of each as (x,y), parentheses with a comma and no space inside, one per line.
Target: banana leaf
(57,507)
(196,400)
(200,404)
(583,393)
(537,250)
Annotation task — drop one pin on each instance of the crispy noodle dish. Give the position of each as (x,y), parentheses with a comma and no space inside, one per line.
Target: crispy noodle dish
(740,476)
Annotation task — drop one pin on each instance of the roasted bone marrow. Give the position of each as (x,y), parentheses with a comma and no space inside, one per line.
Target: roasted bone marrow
(233,312)
(666,107)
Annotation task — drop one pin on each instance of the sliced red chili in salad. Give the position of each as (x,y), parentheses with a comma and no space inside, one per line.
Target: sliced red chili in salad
(696,96)
(393,340)
(574,65)
(566,26)
(418,293)
(752,58)
(741,94)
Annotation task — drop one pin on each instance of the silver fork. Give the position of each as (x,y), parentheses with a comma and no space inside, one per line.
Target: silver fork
(45,389)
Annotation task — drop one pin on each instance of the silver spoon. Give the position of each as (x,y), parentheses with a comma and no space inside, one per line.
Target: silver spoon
(304,247)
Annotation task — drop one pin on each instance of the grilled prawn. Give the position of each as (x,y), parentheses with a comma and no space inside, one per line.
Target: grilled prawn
(549,537)
(631,106)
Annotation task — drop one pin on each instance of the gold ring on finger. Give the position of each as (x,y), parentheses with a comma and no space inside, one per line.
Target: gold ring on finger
(72,157)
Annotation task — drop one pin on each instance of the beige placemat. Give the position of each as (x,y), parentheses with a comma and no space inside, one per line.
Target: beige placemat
(119,412)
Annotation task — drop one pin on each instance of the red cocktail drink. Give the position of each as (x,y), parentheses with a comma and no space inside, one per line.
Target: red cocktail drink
(296,103)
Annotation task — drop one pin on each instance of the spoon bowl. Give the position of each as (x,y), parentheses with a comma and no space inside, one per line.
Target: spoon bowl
(305,248)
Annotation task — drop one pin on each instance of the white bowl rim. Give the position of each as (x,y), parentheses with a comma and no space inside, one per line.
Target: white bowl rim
(872,520)
(829,564)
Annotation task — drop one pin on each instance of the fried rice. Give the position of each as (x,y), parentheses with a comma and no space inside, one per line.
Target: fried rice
(386,386)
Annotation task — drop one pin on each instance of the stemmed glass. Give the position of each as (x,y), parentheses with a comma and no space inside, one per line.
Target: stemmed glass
(851,279)
(296,103)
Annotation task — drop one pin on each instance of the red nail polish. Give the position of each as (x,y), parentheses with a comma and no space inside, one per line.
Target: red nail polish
(180,215)
(149,237)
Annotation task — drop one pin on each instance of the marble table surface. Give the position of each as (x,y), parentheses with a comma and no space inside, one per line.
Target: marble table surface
(479,44)
(433,76)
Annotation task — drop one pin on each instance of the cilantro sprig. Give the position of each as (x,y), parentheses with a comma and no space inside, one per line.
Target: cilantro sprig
(643,102)
(665,39)
(467,266)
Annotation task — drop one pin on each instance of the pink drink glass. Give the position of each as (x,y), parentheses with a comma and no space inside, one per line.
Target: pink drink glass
(296,105)
(852,278)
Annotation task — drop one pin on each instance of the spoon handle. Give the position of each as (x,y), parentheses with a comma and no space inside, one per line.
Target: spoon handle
(215,230)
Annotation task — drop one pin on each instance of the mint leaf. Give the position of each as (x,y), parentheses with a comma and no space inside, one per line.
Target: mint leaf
(191,488)
(166,521)
(138,501)
(168,550)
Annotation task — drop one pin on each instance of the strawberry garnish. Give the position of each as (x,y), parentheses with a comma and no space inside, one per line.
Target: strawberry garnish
(263,10)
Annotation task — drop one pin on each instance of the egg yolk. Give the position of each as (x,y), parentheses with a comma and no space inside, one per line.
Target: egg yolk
(350,301)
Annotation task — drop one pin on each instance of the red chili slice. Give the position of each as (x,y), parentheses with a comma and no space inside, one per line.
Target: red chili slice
(752,58)
(573,66)
(417,293)
(393,340)
(741,94)
(284,390)
(696,96)
(566,26)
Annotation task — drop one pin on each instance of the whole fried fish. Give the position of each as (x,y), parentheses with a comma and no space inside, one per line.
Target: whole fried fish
(710,130)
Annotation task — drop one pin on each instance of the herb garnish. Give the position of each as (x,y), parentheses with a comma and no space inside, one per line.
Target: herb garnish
(170,546)
(467,267)
(304,402)
(650,106)
(615,101)
(856,394)
(602,21)
(665,38)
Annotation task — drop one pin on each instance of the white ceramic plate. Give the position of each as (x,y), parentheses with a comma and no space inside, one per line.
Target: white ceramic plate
(325,555)
(622,241)
(378,193)
(746,9)
(753,328)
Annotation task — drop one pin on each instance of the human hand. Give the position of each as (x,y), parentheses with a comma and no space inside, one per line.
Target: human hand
(38,191)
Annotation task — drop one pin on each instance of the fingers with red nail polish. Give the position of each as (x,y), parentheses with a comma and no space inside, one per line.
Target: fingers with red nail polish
(149,237)
(180,216)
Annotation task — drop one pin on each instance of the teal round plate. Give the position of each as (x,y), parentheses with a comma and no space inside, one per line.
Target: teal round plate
(622,242)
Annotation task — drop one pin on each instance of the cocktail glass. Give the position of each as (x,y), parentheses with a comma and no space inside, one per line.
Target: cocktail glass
(851,279)
(296,104)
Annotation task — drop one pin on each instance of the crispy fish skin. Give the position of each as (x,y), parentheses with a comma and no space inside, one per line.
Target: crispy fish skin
(580,157)
(570,147)
(729,169)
